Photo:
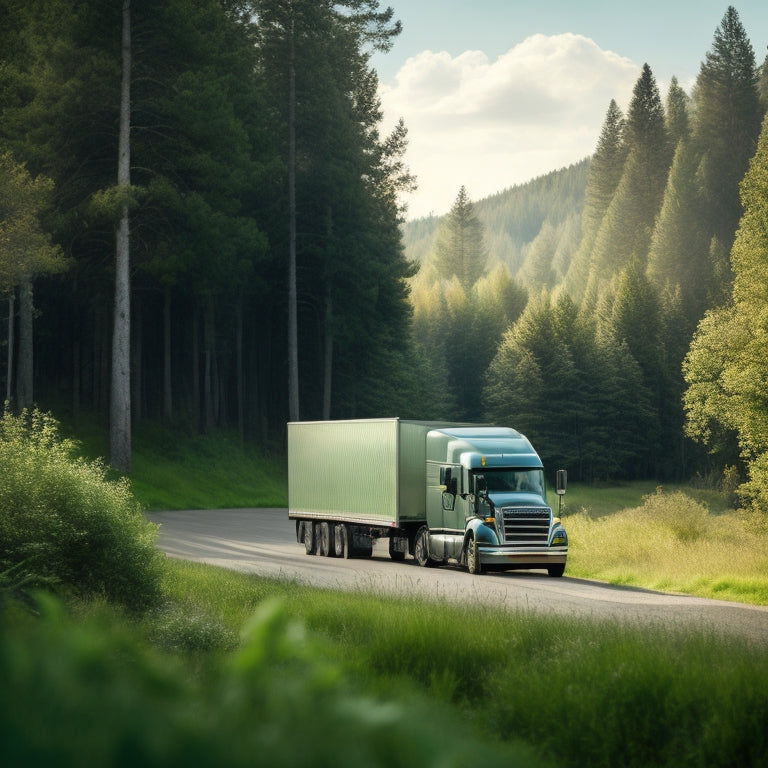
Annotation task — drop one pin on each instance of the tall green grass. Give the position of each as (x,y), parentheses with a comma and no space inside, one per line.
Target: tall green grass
(583,692)
(673,542)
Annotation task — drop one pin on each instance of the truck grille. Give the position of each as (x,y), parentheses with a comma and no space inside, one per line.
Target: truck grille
(526,526)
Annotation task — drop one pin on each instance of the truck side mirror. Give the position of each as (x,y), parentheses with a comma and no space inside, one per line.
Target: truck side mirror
(481,486)
(448,480)
(562,481)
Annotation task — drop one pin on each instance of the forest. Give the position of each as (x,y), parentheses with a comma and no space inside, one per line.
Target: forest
(201,223)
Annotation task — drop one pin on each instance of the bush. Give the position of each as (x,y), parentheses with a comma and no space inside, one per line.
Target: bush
(62,521)
(93,693)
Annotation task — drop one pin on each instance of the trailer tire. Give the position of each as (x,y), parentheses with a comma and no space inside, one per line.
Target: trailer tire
(310,540)
(421,548)
(473,557)
(396,554)
(325,540)
(340,540)
(556,570)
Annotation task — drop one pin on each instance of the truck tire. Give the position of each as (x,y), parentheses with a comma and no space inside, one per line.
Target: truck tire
(421,548)
(325,540)
(340,540)
(556,570)
(310,540)
(395,554)
(473,557)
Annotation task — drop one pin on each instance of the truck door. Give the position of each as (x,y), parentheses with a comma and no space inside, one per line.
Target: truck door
(452,512)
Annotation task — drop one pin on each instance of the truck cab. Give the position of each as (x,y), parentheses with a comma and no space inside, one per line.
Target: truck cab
(487,503)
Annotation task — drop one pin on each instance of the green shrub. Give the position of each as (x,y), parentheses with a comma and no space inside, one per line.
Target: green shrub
(93,693)
(63,521)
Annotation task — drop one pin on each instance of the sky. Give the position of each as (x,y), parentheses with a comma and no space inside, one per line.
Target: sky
(495,93)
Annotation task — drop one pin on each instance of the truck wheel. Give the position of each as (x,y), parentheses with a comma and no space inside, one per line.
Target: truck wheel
(556,570)
(310,540)
(325,540)
(473,557)
(340,540)
(395,554)
(421,547)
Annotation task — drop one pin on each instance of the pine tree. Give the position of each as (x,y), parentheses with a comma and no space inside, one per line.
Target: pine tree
(605,171)
(26,252)
(727,123)
(459,249)
(625,233)
(677,120)
(678,261)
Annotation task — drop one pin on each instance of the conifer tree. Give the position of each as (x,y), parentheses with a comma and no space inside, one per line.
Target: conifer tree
(678,124)
(26,252)
(459,249)
(625,233)
(727,123)
(678,261)
(605,171)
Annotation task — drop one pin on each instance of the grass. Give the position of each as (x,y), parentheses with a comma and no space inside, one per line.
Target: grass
(227,668)
(674,540)
(577,692)
(174,468)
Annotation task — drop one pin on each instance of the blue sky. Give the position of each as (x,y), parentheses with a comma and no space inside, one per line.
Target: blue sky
(496,92)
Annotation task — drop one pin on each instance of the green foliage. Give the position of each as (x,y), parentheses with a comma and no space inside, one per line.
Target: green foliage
(727,123)
(670,541)
(459,250)
(93,692)
(726,361)
(63,522)
(26,250)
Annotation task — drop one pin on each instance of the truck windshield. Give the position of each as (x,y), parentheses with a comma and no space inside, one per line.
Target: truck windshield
(521,480)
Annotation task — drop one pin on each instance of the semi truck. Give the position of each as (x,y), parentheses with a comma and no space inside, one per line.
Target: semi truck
(442,492)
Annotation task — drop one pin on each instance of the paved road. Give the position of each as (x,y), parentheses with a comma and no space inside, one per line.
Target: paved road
(263,541)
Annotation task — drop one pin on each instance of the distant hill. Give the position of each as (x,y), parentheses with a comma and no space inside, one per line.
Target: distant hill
(525,225)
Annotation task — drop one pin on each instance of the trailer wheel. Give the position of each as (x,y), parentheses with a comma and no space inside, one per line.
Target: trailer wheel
(325,540)
(340,540)
(473,557)
(556,570)
(395,554)
(421,547)
(310,540)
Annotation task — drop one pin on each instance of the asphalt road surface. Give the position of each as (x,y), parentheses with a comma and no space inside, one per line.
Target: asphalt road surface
(263,541)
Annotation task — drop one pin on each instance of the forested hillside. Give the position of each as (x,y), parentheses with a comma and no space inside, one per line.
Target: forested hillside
(546,208)
(591,283)
(199,224)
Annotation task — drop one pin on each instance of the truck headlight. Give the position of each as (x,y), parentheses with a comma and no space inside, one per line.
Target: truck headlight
(560,538)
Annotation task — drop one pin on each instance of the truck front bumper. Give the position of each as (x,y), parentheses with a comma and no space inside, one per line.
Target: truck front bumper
(500,556)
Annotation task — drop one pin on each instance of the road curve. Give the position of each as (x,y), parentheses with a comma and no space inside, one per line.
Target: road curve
(263,541)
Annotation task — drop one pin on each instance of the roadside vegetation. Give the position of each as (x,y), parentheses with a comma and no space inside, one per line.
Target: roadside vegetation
(214,667)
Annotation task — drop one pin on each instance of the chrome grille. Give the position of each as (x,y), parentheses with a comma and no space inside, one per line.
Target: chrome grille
(526,526)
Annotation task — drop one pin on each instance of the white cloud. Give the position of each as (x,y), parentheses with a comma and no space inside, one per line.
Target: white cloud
(488,125)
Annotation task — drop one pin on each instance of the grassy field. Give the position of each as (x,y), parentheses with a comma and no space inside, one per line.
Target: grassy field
(228,669)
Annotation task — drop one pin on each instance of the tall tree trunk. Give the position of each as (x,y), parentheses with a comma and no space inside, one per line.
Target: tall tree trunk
(76,374)
(196,368)
(167,390)
(328,354)
(208,371)
(293,336)
(11,362)
(240,370)
(24,395)
(120,403)
(137,340)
